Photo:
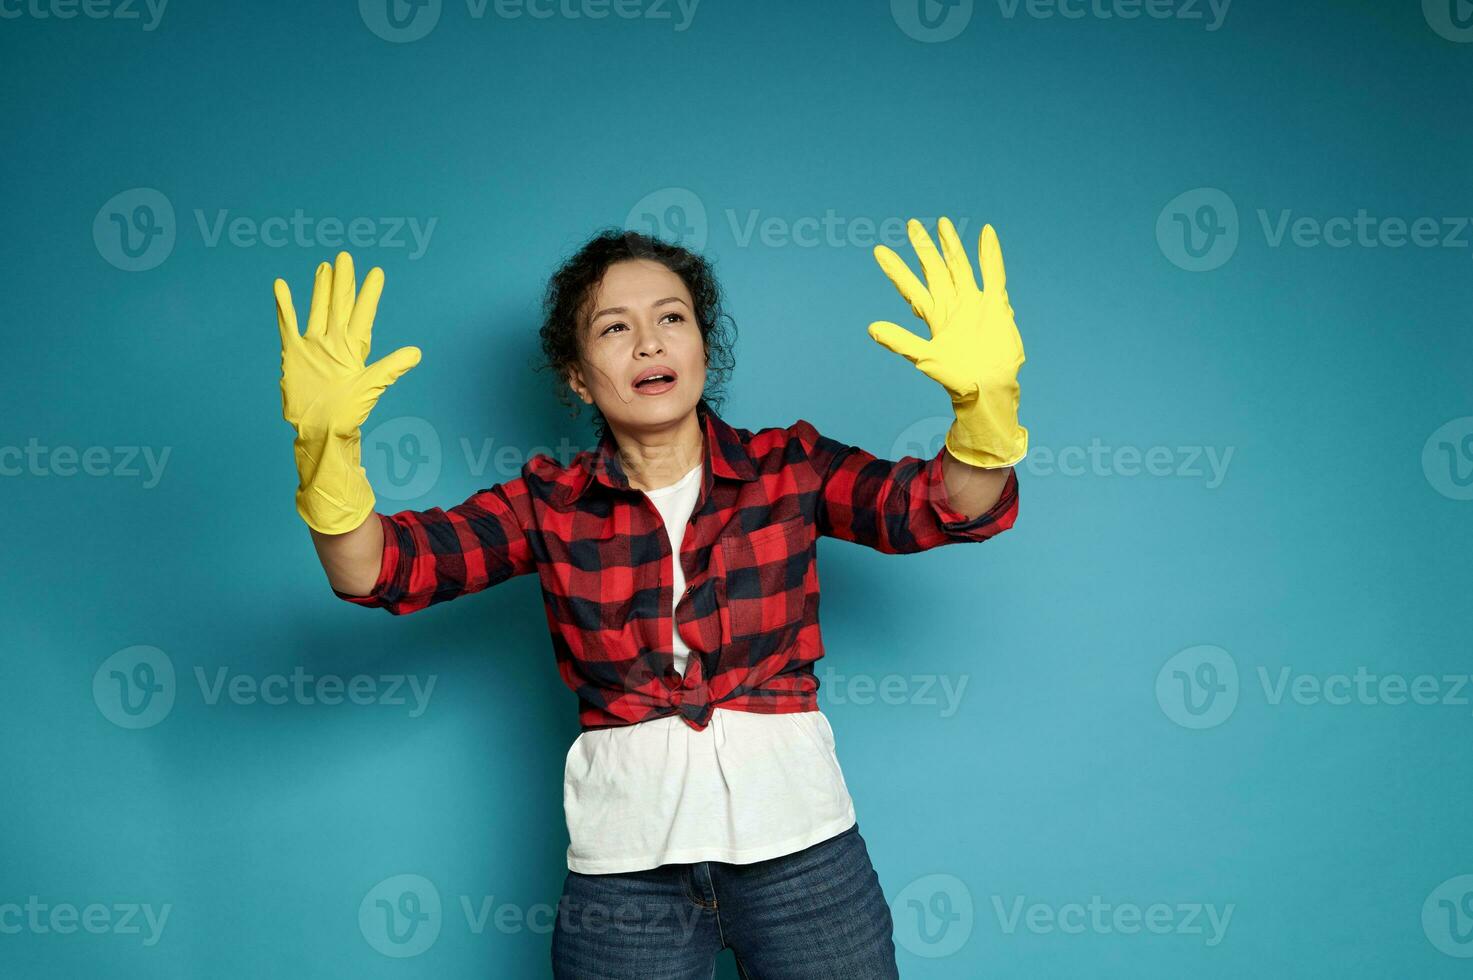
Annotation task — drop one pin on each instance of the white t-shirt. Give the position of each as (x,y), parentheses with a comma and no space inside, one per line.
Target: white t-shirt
(749,787)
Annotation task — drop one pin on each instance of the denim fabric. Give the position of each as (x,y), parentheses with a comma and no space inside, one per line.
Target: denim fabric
(815,914)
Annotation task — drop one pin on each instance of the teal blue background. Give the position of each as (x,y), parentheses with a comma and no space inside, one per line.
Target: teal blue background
(1327,547)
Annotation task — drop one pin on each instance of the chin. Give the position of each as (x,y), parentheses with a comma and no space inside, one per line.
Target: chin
(671,406)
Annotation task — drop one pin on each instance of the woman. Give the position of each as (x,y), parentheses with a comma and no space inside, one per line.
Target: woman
(691,829)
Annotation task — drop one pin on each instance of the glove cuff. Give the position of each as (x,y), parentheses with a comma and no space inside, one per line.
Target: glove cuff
(986,432)
(333,493)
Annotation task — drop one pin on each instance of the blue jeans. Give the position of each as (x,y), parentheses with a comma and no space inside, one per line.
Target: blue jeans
(814,914)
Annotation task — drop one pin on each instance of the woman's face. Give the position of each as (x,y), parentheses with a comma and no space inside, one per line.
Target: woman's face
(640,318)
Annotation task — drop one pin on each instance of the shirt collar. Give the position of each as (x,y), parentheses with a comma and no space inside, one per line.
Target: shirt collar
(724,455)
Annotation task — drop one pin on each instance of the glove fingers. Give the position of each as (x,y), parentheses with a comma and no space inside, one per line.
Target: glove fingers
(379,375)
(286,314)
(989,257)
(905,281)
(938,277)
(896,338)
(956,256)
(360,324)
(344,285)
(321,297)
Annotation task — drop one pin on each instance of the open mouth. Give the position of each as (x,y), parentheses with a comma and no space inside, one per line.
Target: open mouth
(655,380)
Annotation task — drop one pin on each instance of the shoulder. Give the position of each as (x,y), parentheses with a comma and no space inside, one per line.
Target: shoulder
(780,443)
(548,468)
(547,479)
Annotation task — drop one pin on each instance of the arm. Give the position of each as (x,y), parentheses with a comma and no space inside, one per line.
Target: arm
(897,506)
(352,560)
(974,352)
(434,555)
(972,489)
(411,559)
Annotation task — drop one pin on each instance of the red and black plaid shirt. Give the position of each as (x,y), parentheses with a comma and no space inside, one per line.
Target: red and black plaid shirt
(749,613)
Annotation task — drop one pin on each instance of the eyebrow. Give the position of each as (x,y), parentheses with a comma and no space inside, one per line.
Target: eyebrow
(625,309)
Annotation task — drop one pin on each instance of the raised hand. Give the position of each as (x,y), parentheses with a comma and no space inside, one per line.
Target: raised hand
(974,351)
(328,390)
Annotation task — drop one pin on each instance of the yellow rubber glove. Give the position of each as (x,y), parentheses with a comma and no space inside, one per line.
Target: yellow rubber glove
(974,351)
(327,391)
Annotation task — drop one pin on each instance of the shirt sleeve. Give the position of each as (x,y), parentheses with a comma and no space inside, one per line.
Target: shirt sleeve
(434,555)
(894,506)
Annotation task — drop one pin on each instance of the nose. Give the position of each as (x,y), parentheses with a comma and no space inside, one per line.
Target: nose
(648,341)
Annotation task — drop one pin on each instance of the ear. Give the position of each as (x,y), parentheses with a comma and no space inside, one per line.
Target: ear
(575,381)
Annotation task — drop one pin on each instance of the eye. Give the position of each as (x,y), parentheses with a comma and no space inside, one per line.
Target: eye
(610,327)
(677,316)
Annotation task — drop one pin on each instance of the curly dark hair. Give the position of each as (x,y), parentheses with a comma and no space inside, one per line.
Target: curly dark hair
(571,288)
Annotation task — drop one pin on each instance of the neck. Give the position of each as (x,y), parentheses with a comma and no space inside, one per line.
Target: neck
(652,460)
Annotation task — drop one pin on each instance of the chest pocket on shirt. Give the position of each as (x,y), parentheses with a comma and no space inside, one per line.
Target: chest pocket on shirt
(764,577)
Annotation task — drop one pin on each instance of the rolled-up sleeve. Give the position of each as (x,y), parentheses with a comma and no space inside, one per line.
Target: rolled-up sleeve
(434,555)
(894,506)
